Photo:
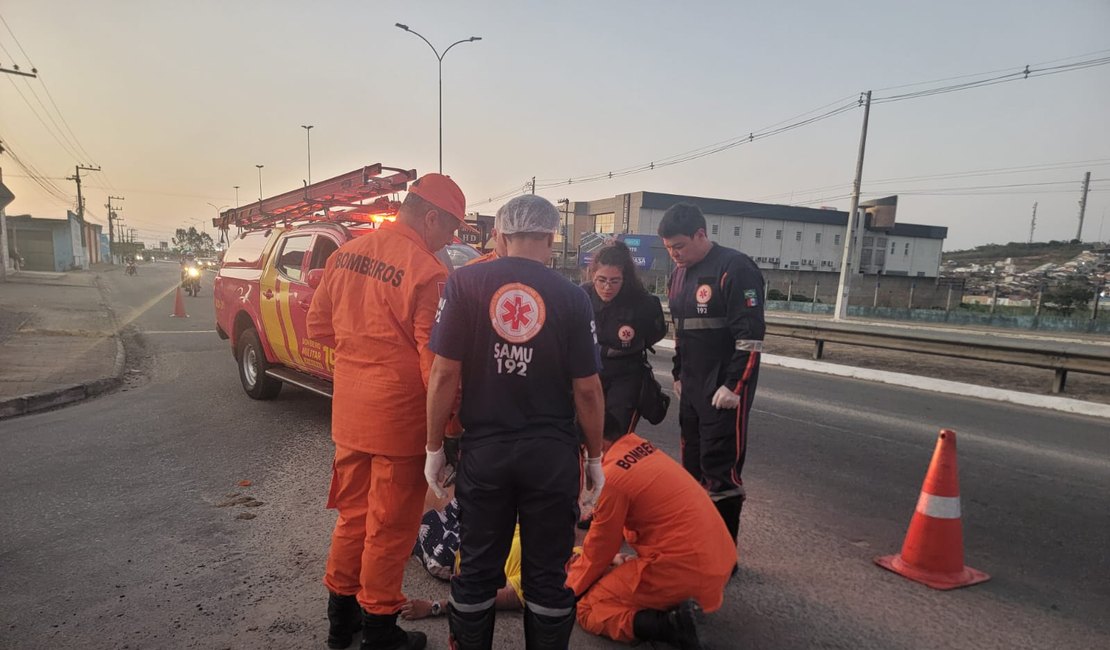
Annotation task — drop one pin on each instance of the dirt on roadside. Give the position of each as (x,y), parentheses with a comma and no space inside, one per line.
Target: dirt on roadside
(1091,388)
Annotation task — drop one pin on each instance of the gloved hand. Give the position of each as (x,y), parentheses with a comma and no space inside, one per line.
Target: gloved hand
(678,388)
(434,463)
(725,399)
(595,480)
(451,449)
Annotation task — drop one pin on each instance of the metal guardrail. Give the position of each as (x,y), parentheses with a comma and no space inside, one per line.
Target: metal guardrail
(1037,352)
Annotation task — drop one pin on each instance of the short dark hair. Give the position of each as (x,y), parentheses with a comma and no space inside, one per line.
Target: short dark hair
(681,219)
(418,206)
(616,253)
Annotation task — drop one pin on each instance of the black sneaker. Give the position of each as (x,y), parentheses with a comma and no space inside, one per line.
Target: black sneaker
(682,624)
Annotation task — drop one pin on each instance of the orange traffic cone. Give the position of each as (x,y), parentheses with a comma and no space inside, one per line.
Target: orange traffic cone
(179,306)
(933,552)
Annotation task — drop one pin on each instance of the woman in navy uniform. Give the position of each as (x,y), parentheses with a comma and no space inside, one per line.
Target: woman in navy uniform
(629,321)
(716,301)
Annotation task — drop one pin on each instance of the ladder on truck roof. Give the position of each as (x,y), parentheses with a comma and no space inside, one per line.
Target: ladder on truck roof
(360,196)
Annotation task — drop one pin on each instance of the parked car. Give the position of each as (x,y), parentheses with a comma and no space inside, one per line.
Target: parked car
(262,293)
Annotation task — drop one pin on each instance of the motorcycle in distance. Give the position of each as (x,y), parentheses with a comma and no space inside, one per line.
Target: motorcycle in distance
(190,279)
(131,268)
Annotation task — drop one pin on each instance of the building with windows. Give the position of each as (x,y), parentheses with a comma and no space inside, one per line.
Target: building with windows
(798,249)
(777,237)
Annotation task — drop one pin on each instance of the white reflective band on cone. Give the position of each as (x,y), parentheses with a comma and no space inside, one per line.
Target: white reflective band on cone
(939,507)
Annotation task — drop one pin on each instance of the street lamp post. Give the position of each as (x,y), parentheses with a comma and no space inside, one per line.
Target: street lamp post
(236,196)
(260,185)
(439,57)
(308,135)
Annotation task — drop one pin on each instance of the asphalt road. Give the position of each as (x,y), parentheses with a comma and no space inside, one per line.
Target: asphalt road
(114,532)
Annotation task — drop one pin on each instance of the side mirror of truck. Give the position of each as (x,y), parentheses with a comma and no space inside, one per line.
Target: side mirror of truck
(314,277)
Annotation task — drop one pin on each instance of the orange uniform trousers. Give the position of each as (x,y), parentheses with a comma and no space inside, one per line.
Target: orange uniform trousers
(380,501)
(610,605)
(683,549)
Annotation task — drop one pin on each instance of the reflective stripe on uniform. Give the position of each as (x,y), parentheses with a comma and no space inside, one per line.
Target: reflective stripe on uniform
(938,507)
(749,345)
(471,609)
(700,323)
(553,612)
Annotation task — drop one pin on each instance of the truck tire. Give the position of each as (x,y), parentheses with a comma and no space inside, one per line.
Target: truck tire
(252,368)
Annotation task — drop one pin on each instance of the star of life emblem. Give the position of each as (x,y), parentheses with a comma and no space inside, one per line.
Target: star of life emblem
(626,333)
(704,293)
(517,312)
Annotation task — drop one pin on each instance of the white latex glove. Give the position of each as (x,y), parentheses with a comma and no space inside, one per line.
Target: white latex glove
(595,479)
(678,388)
(725,399)
(434,463)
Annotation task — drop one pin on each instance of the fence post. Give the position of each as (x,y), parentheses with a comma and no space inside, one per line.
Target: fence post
(948,300)
(875,301)
(994,298)
(817,284)
(1040,299)
(790,291)
(913,287)
(1094,309)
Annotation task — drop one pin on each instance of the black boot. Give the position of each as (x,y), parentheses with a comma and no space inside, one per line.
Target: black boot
(344,619)
(729,510)
(676,626)
(547,632)
(470,630)
(380,632)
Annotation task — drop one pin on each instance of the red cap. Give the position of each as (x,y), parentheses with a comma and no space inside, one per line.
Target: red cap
(442,192)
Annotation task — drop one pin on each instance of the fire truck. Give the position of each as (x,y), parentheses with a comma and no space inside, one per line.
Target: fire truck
(277,249)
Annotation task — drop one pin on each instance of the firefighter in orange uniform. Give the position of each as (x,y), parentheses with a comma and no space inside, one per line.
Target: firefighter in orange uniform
(684,552)
(376,305)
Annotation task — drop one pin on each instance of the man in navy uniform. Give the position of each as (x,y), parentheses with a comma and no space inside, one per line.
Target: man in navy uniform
(520,338)
(716,302)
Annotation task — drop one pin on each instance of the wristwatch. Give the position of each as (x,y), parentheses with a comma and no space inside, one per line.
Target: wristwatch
(436,609)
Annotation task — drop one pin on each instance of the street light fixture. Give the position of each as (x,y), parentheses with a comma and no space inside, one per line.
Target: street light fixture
(439,57)
(260,185)
(308,135)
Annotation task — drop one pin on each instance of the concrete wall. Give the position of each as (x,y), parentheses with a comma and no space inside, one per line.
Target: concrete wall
(893,290)
(61,236)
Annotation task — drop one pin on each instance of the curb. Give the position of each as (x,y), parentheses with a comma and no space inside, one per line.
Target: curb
(33,402)
(944,386)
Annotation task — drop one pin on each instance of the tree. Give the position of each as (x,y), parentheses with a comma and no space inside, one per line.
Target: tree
(200,243)
(1065,298)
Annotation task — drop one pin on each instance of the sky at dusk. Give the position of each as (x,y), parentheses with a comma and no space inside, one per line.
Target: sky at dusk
(178,101)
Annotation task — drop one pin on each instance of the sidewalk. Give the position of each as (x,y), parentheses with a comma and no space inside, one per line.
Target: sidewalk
(58,341)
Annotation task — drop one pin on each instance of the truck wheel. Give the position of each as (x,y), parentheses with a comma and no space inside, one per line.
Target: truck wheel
(252,368)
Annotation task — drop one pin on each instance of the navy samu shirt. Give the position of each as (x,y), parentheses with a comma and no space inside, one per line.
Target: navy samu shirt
(522,333)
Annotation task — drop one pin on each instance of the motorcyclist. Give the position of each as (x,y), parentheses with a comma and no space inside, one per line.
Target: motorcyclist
(190,271)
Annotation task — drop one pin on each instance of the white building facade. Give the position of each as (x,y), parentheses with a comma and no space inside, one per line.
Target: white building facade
(782,237)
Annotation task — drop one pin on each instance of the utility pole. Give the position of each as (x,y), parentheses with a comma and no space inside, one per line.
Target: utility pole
(1033,223)
(6,197)
(533,185)
(566,228)
(80,199)
(846,270)
(111,228)
(1083,205)
(237,196)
